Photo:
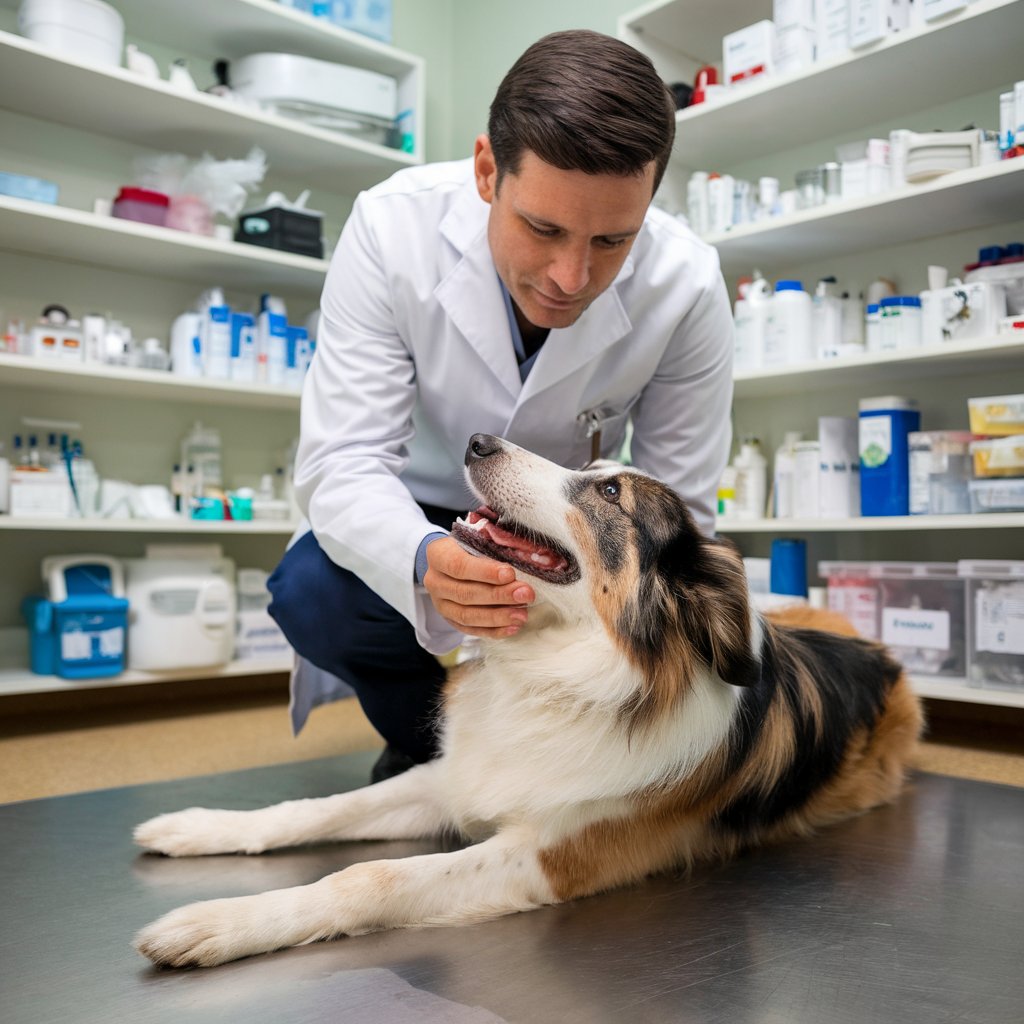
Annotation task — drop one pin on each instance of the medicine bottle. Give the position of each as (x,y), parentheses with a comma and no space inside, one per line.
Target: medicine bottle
(788,337)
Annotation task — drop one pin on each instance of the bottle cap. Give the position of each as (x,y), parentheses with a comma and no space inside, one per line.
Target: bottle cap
(789,286)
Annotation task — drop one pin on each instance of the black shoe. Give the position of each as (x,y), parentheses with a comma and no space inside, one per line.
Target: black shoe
(391,762)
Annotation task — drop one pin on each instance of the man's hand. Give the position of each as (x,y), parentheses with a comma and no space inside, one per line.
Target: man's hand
(477,595)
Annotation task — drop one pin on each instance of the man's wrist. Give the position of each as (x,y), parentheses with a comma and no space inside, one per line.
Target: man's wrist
(420,568)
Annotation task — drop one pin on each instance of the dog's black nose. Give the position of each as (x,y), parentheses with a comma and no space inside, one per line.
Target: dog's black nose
(482,446)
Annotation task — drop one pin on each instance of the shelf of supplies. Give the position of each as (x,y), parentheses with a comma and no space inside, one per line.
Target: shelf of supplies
(874,524)
(121,104)
(99,379)
(957,689)
(57,232)
(268,527)
(18,680)
(858,84)
(971,198)
(974,356)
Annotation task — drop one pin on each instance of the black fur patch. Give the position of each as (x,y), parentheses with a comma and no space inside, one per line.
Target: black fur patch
(853,678)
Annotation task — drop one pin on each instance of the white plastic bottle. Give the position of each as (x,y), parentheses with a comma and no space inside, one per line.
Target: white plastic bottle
(5,482)
(720,202)
(751,319)
(697,202)
(788,337)
(784,477)
(217,342)
(751,480)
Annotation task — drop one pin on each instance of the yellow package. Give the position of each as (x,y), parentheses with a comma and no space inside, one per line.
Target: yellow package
(1001,456)
(1001,415)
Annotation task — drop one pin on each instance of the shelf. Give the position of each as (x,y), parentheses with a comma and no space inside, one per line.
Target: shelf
(18,680)
(57,232)
(265,527)
(972,198)
(859,85)
(874,524)
(121,104)
(98,379)
(957,689)
(979,355)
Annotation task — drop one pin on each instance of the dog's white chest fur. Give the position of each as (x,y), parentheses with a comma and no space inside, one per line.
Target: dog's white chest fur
(532,735)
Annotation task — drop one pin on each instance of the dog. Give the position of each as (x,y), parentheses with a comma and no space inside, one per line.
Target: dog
(645,719)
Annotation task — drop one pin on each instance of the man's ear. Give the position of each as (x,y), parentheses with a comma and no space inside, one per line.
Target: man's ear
(485,169)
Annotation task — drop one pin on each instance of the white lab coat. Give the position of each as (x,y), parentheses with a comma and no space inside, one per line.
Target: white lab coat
(414,354)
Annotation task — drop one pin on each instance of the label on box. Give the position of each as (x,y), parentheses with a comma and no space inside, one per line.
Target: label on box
(915,627)
(875,441)
(1000,620)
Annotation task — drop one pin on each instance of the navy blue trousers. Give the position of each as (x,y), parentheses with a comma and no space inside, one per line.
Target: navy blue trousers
(335,621)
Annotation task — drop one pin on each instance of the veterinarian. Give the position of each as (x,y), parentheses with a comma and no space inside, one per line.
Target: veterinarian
(530,292)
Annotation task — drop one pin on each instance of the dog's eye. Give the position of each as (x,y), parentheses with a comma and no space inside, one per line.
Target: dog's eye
(609,491)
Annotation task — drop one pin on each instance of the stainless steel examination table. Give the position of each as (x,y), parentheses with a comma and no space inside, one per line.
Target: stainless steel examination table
(913,913)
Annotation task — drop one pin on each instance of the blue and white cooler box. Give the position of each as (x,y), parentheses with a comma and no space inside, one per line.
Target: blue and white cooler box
(78,630)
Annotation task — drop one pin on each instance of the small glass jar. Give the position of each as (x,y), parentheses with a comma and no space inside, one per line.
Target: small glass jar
(901,322)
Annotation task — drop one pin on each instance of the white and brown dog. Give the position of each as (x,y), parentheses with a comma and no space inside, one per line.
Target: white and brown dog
(644,719)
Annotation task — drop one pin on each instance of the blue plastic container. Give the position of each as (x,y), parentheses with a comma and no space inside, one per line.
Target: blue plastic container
(885,426)
(80,630)
(789,567)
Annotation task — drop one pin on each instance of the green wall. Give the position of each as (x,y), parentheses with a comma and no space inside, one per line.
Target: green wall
(470,44)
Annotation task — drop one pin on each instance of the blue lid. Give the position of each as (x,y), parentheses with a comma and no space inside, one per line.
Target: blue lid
(990,254)
(789,286)
(1015,249)
(901,300)
(872,307)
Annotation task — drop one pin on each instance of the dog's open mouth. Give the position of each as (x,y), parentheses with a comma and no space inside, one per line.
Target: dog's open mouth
(492,534)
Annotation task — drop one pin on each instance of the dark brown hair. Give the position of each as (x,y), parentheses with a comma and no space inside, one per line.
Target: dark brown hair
(583,101)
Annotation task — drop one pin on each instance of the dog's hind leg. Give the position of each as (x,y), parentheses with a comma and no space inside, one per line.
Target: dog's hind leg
(403,807)
(499,876)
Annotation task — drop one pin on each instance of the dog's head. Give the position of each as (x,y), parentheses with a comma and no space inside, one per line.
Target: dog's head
(611,543)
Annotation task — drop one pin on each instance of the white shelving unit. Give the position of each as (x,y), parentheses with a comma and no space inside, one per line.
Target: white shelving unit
(954,202)
(121,104)
(81,125)
(847,90)
(914,77)
(57,232)
(93,379)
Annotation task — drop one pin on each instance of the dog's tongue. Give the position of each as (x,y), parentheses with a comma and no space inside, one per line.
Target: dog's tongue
(483,521)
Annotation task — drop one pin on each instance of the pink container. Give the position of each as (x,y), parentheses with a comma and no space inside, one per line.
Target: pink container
(142,205)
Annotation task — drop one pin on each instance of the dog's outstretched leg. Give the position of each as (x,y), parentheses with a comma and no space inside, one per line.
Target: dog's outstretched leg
(404,807)
(499,876)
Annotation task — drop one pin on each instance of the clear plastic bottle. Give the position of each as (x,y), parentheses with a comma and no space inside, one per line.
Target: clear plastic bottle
(5,482)
(827,318)
(697,202)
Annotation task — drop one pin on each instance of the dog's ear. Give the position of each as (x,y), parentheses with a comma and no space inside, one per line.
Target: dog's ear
(714,606)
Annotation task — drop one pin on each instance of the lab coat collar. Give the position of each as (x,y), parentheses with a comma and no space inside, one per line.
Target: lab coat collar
(471,296)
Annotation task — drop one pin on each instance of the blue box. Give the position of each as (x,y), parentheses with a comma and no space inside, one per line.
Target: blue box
(368,17)
(885,426)
(82,636)
(21,186)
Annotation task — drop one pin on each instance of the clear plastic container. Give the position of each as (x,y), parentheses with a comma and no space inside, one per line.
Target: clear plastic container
(1003,495)
(940,470)
(917,609)
(1002,415)
(998,457)
(995,613)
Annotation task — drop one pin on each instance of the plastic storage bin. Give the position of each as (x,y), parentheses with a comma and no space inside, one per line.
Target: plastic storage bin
(940,470)
(995,623)
(998,456)
(997,414)
(997,495)
(917,609)
(78,632)
(142,205)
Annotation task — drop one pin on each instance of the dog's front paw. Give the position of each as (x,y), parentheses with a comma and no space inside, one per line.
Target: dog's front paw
(202,935)
(199,831)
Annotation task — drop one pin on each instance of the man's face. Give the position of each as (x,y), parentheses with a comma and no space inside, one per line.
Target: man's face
(559,238)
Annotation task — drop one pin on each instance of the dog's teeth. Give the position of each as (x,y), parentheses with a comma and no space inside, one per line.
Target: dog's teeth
(479,525)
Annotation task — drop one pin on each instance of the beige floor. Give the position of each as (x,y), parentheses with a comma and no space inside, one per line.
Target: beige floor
(57,750)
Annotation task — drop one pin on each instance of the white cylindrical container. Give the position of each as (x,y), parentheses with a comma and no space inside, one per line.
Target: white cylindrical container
(87,30)
(186,346)
(852,329)
(901,322)
(808,479)
(767,197)
(217,343)
(751,316)
(751,480)
(720,202)
(5,482)
(839,493)
(697,202)
(788,335)
(784,477)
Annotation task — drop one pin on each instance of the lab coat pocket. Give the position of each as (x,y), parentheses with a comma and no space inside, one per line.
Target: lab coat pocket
(600,432)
